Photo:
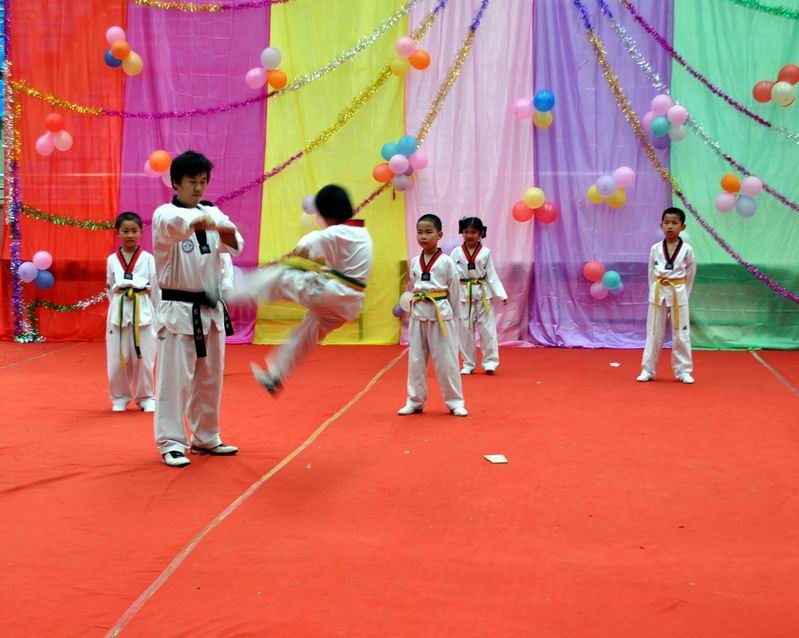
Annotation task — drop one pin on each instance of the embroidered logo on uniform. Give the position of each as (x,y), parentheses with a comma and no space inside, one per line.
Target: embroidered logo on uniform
(187,246)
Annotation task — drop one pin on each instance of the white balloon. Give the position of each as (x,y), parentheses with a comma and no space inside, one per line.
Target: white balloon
(677,132)
(405,301)
(270,58)
(62,140)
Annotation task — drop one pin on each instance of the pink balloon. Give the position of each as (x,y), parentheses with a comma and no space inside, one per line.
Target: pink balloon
(149,170)
(726,202)
(677,114)
(114,34)
(398,164)
(523,108)
(598,290)
(62,141)
(751,185)
(418,160)
(45,144)
(405,47)
(400,183)
(42,260)
(647,121)
(256,77)
(661,104)
(624,176)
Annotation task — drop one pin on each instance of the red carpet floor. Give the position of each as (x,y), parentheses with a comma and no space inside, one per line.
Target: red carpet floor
(626,510)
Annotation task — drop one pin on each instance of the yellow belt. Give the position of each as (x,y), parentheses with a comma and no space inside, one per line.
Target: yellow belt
(470,284)
(431,296)
(675,309)
(308,265)
(132,294)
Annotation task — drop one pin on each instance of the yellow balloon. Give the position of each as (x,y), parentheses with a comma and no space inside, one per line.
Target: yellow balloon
(593,195)
(543,120)
(132,65)
(534,198)
(400,66)
(618,199)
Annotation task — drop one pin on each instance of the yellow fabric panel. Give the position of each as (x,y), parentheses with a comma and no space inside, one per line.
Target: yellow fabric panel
(309,35)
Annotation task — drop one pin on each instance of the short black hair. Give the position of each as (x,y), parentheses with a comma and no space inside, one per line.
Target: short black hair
(671,210)
(189,164)
(333,203)
(433,219)
(127,216)
(472,222)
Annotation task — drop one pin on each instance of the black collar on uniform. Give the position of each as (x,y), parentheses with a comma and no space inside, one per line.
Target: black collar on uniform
(179,204)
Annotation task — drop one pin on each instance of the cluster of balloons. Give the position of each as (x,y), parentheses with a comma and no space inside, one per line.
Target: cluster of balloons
(408,56)
(539,108)
(610,188)
(36,270)
(120,54)
(267,72)
(739,194)
(604,282)
(157,165)
(403,159)
(56,136)
(783,91)
(666,121)
(534,202)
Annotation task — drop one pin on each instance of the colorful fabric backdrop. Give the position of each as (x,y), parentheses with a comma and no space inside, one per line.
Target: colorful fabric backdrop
(270,153)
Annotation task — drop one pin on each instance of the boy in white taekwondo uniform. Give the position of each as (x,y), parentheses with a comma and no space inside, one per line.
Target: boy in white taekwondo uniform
(432,330)
(480,283)
(192,241)
(130,338)
(327,273)
(672,269)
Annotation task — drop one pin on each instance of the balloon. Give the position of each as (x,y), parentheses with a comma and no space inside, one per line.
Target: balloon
(677,114)
(593,270)
(277,79)
(617,200)
(409,172)
(677,133)
(166,179)
(256,77)
(730,183)
(606,185)
(660,126)
(114,34)
(54,122)
(111,61)
(62,141)
(661,104)
(44,279)
(789,73)
(521,212)
(543,119)
(611,279)
(405,47)
(647,121)
(726,202)
(120,49)
(534,198)
(132,65)
(382,172)
(418,160)
(27,272)
(523,108)
(448,245)
(42,260)
(618,289)
(624,176)
(783,93)
(746,206)
(751,185)
(598,291)
(547,213)
(405,301)
(45,144)
(309,205)
(270,58)
(398,164)
(160,161)
(407,145)
(400,66)
(148,170)
(544,101)
(397,311)
(762,91)
(593,195)
(400,183)
(661,142)
(420,59)
(389,150)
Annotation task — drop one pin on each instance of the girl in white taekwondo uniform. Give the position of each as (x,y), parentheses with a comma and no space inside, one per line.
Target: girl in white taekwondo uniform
(480,283)
(672,269)
(433,324)
(130,338)
(192,241)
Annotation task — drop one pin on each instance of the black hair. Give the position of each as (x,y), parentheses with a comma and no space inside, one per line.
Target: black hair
(127,216)
(189,164)
(674,211)
(433,219)
(333,203)
(472,222)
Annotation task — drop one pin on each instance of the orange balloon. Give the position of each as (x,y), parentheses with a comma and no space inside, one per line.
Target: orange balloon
(420,59)
(382,173)
(54,122)
(730,183)
(521,212)
(277,79)
(160,161)
(593,270)
(120,49)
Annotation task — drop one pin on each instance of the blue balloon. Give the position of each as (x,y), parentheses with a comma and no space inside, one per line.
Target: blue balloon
(111,61)
(544,101)
(407,145)
(660,126)
(746,206)
(389,150)
(618,289)
(611,279)
(44,279)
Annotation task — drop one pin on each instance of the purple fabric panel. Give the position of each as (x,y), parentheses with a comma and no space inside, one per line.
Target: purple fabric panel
(589,137)
(196,60)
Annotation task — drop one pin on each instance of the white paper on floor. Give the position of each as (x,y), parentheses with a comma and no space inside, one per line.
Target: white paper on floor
(495,458)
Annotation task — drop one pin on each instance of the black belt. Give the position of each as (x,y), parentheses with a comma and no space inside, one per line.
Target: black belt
(197,299)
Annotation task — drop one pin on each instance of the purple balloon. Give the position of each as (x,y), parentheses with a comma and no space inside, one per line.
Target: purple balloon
(661,143)
(409,172)
(448,245)
(606,185)
(398,164)
(27,272)
(400,183)
(398,312)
